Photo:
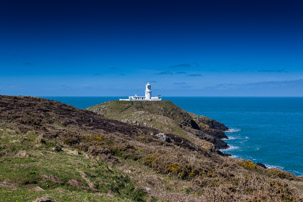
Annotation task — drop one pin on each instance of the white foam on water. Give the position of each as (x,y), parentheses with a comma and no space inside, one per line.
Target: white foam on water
(235,156)
(231,138)
(271,166)
(230,148)
(245,139)
(233,130)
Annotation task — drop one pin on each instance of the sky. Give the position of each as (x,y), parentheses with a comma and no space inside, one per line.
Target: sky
(183,48)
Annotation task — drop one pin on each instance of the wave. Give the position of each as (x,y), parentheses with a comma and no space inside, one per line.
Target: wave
(236,138)
(271,166)
(230,148)
(233,130)
(235,156)
(231,138)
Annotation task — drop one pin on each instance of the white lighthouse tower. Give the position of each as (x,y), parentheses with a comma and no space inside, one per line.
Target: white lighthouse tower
(147,97)
(148,91)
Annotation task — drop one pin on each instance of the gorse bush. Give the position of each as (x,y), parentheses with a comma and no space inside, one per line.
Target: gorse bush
(248,165)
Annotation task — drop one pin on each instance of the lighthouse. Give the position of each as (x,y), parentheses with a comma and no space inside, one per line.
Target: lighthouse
(147,97)
(148,91)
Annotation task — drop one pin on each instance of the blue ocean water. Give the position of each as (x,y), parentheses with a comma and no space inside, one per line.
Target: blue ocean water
(266,130)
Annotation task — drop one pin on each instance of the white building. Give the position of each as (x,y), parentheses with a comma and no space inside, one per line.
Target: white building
(147,97)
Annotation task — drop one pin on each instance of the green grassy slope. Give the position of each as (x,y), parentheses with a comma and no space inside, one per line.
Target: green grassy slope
(30,169)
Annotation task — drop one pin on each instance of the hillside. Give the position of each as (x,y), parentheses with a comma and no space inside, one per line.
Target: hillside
(52,150)
(168,118)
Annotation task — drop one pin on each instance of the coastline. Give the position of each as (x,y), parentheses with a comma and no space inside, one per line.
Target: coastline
(211,106)
(225,150)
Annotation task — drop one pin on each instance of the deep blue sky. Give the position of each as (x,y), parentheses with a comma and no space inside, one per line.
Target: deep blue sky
(185,48)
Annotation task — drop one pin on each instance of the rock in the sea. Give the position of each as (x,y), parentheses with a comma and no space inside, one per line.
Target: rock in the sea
(163,137)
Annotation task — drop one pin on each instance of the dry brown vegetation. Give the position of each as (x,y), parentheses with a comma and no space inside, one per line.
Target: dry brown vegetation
(176,170)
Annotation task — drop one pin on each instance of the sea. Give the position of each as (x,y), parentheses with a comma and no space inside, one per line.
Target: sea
(268,130)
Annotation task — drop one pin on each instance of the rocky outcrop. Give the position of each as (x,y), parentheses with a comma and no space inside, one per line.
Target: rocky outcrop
(163,137)
(213,124)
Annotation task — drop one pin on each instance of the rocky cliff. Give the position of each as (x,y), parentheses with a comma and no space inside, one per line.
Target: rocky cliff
(55,151)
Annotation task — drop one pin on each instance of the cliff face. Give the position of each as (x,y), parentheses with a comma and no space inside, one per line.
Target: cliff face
(55,150)
(168,118)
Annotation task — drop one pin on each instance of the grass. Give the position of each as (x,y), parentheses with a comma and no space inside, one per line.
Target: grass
(53,172)
(59,194)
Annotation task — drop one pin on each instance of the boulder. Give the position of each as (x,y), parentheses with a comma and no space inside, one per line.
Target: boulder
(163,137)
(38,189)
(71,152)
(22,154)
